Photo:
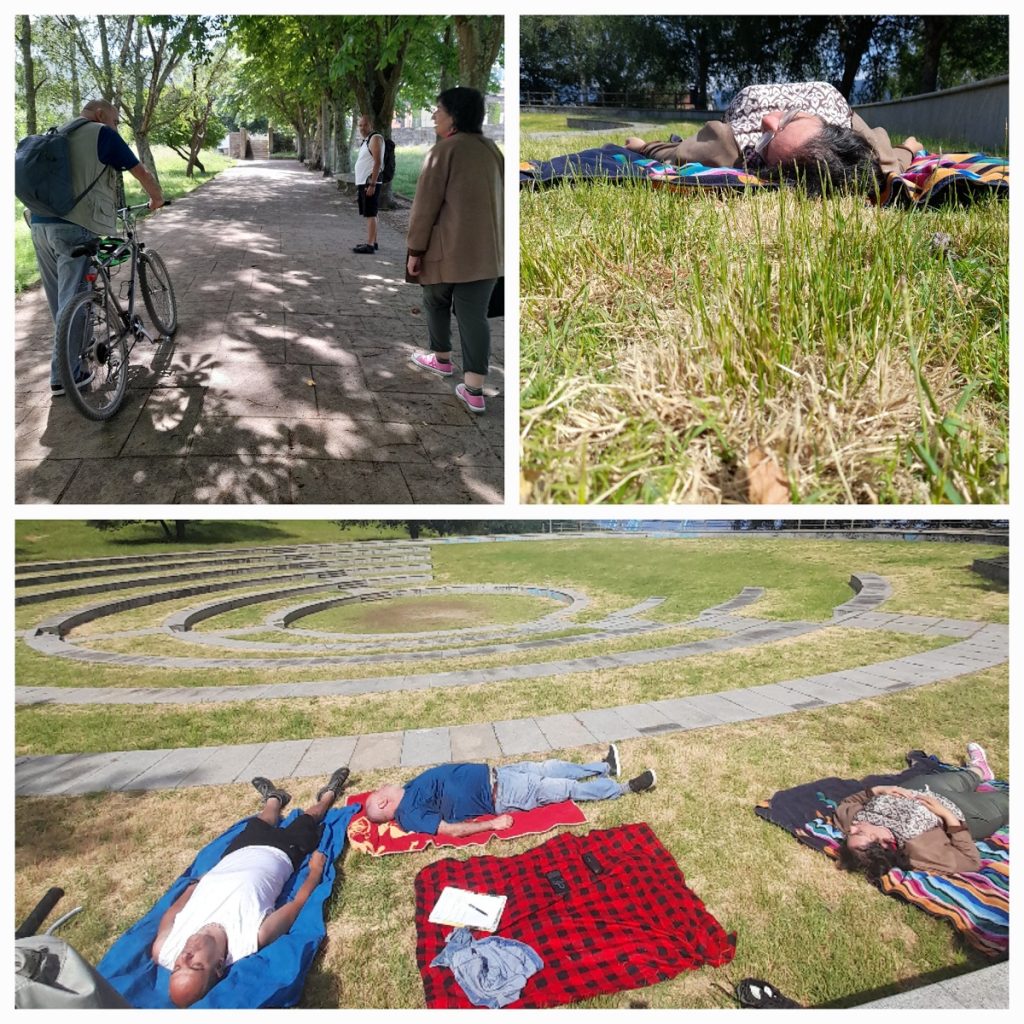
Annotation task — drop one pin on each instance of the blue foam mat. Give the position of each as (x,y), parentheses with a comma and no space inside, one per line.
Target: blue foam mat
(272,977)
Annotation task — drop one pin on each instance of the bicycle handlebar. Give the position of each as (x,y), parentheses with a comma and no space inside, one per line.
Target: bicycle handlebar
(141,206)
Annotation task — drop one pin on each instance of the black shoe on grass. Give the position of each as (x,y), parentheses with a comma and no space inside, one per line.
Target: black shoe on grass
(612,760)
(643,782)
(335,784)
(267,789)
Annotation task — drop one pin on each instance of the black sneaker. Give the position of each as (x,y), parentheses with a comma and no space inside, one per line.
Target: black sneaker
(334,785)
(643,782)
(612,760)
(267,789)
(81,381)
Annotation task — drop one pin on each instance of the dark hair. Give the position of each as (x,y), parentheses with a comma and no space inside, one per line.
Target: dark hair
(466,107)
(874,859)
(835,159)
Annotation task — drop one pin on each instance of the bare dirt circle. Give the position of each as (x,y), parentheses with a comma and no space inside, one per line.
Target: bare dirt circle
(415,614)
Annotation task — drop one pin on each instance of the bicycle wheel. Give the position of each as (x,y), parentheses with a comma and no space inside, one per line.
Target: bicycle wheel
(93,343)
(158,293)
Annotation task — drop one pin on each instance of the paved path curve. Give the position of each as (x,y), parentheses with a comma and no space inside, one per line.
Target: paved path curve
(288,381)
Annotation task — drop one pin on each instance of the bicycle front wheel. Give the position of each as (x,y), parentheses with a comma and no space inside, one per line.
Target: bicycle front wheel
(158,293)
(93,354)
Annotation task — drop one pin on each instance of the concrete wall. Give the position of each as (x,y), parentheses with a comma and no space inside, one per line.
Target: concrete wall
(976,114)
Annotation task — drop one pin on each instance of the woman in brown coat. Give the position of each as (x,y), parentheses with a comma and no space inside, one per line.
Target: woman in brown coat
(456,240)
(928,824)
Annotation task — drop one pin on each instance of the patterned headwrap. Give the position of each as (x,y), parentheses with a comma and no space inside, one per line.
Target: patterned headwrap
(749,105)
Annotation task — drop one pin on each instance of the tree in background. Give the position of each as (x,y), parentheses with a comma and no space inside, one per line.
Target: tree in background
(867,57)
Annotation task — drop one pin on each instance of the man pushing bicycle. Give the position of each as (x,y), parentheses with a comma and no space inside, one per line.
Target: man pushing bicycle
(97,156)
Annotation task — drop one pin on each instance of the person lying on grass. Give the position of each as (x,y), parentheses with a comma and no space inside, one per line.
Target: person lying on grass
(804,130)
(928,824)
(229,912)
(440,800)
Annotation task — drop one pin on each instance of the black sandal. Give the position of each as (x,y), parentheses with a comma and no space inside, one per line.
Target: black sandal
(267,789)
(335,784)
(759,995)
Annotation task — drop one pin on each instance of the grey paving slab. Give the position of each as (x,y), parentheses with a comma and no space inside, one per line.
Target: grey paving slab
(607,724)
(222,766)
(42,774)
(984,989)
(115,773)
(564,731)
(426,746)
(721,708)
(754,700)
(474,742)
(520,736)
(377,750)
(173,770)
(322,756)
(274,760)
(788,696)
(686,713)
(644,717)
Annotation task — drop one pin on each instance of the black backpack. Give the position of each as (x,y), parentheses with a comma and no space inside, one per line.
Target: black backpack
(387,164)
(42,172)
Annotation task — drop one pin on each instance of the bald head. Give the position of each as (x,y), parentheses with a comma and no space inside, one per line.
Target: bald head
(382,803)
(102,111)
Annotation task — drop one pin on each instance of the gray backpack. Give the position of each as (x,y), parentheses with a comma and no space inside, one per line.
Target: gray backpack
(42,172)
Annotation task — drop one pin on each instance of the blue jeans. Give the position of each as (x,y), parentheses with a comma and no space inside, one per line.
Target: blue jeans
(62,274)
(530,784)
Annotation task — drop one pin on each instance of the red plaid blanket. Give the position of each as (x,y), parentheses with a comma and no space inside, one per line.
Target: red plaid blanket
(606,911)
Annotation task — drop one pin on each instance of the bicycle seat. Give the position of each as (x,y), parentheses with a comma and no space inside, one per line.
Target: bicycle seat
(88,249)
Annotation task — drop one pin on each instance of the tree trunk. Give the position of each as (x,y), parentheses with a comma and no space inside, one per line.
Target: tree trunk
(24,27)
(935,29)
(480,38)
(446,81)
(854,40)
(179,528)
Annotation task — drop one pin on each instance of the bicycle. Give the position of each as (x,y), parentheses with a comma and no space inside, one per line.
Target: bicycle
(96,333)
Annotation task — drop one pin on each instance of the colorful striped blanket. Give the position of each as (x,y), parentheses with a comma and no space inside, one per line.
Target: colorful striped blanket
(931,179)
(977,904)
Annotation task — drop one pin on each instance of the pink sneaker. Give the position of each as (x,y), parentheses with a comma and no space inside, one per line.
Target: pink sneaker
(979,760)
(474,403)
(428,361)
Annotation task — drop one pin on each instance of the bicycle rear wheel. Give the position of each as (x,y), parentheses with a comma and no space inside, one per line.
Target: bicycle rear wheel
(158,293)
(93,345)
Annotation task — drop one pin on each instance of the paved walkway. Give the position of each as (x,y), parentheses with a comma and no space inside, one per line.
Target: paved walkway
(984,989)
(288,381)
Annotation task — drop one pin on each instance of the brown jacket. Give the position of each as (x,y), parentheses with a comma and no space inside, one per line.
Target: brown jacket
(942,850)
(715,146)
(457,222)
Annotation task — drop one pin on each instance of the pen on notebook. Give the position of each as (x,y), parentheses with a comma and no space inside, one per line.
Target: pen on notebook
(477,909)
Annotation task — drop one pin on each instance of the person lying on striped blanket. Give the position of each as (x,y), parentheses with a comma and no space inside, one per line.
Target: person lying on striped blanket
(805,131)
(928,824)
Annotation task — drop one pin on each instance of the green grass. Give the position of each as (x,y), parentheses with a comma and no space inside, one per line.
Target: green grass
(43,540)
(821,936)
(171,170)
(86,728)
(408,162)
(665,336)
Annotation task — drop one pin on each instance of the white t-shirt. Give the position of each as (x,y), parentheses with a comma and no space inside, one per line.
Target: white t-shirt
(236,894)
(364,161)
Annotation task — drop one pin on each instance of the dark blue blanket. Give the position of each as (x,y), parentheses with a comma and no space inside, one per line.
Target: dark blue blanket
(273,977)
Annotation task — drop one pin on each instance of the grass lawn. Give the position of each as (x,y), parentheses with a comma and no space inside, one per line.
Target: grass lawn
(171,170)
(70,728)
(44,540)
(821,936)
(665,338)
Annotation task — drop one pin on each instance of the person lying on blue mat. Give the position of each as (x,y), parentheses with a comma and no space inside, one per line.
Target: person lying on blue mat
(228,913)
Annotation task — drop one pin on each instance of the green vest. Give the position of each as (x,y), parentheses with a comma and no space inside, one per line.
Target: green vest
(97,211)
